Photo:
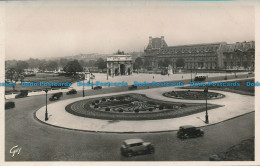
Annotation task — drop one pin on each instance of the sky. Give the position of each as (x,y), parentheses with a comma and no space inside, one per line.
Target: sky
(42,29)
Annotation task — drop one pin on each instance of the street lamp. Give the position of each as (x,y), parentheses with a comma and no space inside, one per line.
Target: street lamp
(46,113)
(92,77)
(206,96)
(191,75)
(83,85)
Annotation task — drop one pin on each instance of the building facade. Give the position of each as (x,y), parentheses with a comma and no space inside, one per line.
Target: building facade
(119,65)
(208,56)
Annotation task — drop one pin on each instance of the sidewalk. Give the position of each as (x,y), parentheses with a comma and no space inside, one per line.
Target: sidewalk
(234,105)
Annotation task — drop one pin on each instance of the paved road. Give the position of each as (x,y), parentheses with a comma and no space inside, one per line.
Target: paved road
(40,142)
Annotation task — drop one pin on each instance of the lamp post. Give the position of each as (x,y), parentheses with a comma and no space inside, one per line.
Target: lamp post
(92,80)
(206,96)
(46,113)
(83,85)
(191,75)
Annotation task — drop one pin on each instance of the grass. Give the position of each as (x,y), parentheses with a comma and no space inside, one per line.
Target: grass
(242,89)
(40,77)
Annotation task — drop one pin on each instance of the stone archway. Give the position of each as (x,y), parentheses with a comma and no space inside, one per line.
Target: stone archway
(116,72)
(122,69)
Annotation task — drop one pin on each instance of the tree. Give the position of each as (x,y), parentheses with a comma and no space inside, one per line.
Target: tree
(63,62)
(43,66)
(146,63)
(10,74)
(52,65)
(91,63)
(138,63)
(21,65)
(180,62)
(73,67)
(101,64)
(245,64)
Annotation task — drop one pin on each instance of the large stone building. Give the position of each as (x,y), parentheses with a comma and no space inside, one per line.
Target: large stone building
(199,56)
(119,65)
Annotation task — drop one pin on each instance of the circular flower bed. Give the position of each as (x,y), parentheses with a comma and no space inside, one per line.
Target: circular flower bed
(193,95)
(132,107)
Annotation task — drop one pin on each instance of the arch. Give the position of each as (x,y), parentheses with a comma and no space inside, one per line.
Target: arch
(122,69)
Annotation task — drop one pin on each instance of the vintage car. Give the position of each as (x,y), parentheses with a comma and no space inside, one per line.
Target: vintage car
(132,147)
(200,78)
(24,93)
(189,131)
(55,96)
(97,87)
(132,87)
(72,91)
(9,104)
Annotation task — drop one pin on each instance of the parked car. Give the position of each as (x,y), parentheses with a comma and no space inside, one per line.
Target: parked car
(72,91)
(55,96)
(131,147)
(97,87)
(200,78)
(132,87)
(189,131)
(24,93)
(9,104)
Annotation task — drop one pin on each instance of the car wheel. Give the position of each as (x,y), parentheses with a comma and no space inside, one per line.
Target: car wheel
(151,150)
(129,154)
(185,136)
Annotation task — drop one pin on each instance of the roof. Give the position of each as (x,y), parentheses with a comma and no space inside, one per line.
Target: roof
(156,43)
(187,126)
(132,141)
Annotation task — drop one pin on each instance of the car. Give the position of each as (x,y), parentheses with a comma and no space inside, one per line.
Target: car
(189,131)
(24,93)
(72,91)
(55,96)
(200,78)
(132,87)
(135,146)
(9,104)
(97,87)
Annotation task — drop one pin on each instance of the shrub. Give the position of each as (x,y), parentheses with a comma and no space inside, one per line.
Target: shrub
(120,97)
(112,98)
(107,109)
(151,103)
(168,106)
(150,109)
(161,107)
(96,106)
(183,105)
(97,101)
(93,103)
(137,110)
(104,99)
(120,110)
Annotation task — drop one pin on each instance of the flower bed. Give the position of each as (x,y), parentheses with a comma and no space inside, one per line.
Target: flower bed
(133,107)
(193,95)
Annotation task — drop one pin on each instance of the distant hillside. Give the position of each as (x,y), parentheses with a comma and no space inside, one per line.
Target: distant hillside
(95,56)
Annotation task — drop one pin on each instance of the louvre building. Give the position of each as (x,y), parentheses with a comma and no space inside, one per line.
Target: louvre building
(211,56)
